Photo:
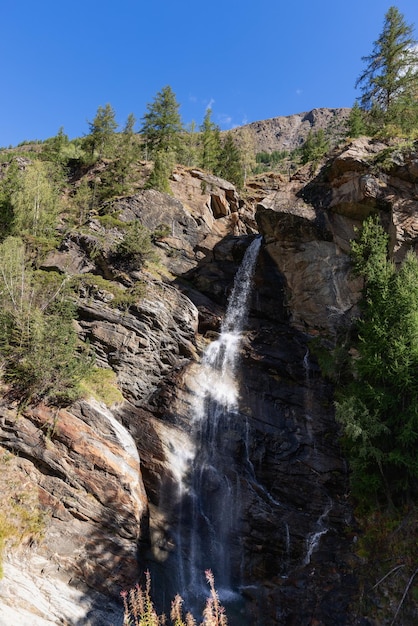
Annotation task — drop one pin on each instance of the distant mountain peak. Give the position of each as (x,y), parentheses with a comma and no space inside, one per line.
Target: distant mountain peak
(290,131)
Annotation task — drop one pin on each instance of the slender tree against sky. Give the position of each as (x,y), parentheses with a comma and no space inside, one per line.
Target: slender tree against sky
(102,129)
(211,142)
(392,68)
(161,124)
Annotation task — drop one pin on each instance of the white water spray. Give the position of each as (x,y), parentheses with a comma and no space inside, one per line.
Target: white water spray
(312,540)
(210,509)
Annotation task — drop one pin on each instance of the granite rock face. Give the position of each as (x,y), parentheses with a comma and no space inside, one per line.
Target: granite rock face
(85,469)
(289,132)
(107,478)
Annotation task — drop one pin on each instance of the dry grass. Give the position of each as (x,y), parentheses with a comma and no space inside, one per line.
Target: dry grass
(21,519)
(140,611)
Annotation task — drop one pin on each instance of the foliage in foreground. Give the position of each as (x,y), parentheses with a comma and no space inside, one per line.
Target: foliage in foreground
(40,354)
(388,586)
(139,608)
(22,520)
(378,406)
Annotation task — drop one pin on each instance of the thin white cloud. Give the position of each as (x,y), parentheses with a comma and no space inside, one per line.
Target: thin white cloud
(210,104)
(225,119)
(299,92)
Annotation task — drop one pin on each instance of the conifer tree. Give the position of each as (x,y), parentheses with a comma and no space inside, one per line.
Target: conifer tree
(35,202)
(230,163)
(211,143)
(247,151)
(102,129)
(163,166)
(161,124)
(391,73)
(356,125)
(115,179)
(54,147)
(315,147)
(379,407)
(189,150)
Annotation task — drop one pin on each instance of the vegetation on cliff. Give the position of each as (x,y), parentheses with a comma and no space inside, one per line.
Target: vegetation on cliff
(378,407)
(389,82)
(51,189)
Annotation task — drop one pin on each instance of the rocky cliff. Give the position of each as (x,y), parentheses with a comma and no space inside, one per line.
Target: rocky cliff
(106,478)
(289,132)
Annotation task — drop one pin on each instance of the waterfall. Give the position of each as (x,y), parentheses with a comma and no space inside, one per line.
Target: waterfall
(312,540)
(207,535)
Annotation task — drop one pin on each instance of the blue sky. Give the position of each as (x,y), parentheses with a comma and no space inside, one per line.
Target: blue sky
(249,60)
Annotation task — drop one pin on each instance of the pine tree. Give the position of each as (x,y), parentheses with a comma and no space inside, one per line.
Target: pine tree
(315,147)
(161,124)
(53,148)
(115,179)
(230,163)
(211,143)
(391,74)
(356,125)
(102,129)
(379,407)
(247,151)
(163,166)
(189,150)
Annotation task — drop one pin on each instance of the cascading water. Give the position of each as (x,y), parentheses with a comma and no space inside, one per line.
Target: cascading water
(207,537)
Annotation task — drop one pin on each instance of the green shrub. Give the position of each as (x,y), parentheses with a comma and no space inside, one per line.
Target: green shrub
(118,297)
(101,384)
(40,353)
(21,517)
(137,244)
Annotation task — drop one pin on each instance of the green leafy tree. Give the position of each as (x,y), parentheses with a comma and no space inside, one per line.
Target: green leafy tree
(378,408)
(82,201)
(188,153)
(230,163)
(35,202)
(9,185)
(247,152)
(161,124)
(39,351)
(211,143)
(100,140)
(391,72)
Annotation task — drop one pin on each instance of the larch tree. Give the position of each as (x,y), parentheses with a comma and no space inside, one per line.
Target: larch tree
(378,408)
(230,162)
(115,179)
(35,203)
(391,72)
(211,143)
(247,150)
(102,129)
(161,124)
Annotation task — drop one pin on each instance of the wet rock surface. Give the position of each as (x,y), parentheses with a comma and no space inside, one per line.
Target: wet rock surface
(108,478)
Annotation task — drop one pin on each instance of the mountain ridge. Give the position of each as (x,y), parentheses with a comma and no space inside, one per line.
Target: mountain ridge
(290,131)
